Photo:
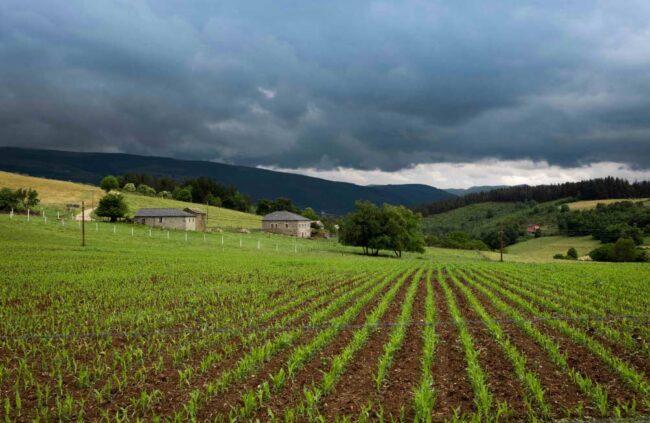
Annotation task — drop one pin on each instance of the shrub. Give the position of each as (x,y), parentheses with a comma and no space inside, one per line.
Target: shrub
(146,190)
(109,182)
(602,253)
(130,187)
(624,250)
(572,254)
(559,257)
(165,194)
(19,199)
(182,194)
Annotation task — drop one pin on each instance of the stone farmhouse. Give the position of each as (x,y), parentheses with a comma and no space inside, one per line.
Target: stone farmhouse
(167,218)
(287,223)
(201,218)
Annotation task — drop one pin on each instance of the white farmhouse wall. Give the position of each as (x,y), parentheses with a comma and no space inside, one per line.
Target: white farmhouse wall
(293,228)
(178,223)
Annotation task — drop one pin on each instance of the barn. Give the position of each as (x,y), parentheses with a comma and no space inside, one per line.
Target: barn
(166,218)
(287,223)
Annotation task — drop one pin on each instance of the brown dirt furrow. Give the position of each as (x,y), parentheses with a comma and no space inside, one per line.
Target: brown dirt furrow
(222,404)
(313,370)
(502,380)
(356,386)
(559,391)
(168,382)
(635,358)
(406,370)
(451,386)
(581,359)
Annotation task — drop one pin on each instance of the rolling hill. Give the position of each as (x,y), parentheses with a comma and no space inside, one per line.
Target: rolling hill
(56,194)
(320,194)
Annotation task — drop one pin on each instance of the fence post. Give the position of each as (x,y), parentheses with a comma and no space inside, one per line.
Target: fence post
(28,215)
(114,228)
(11,214)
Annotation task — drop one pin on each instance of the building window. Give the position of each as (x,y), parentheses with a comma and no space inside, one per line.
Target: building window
(160,219)
(286,225)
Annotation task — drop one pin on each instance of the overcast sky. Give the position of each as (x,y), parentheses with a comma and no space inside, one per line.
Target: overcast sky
(447,93)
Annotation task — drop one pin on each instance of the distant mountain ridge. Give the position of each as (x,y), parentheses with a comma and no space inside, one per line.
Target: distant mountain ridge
(471,190)
(305,191)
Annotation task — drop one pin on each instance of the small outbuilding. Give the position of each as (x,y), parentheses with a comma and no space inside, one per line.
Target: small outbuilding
(201,218)
(166,218)
(531,229)
(287,223)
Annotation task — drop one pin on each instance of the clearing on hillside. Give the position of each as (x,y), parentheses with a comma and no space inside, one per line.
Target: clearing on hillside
(591,204)
(544,248)
(139,327)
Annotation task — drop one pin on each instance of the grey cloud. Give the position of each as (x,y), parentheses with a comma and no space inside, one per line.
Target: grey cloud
(365,85)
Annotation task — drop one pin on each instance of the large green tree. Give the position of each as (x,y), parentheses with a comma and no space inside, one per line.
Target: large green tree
(393,228)
(112,206)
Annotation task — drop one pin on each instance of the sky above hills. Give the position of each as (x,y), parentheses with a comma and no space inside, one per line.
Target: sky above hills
(450,94)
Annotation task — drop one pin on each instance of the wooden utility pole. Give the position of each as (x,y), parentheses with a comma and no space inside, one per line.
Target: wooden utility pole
(207,209)
(83,224)
(501,240)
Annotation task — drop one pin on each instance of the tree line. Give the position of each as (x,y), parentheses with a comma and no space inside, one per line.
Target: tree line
(592,189)
(202,190)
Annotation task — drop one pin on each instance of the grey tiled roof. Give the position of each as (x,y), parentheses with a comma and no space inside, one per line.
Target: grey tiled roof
(284,216)
(162,213)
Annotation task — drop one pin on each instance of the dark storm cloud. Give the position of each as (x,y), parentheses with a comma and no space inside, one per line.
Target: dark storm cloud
(361,85)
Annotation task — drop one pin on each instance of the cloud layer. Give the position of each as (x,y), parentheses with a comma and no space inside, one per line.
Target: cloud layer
(363,85)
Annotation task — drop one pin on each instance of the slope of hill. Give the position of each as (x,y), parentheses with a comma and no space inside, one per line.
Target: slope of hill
(471,190)
(57,194)
(478,218)
(322,195)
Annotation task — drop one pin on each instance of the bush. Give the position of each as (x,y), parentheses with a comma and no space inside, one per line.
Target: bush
(146,190)
(624,250)
(165,194)
(20,199)
(602,253)
(572,254)
(130,187)
(559,257)
(109,182)
(182,194)
(112,206)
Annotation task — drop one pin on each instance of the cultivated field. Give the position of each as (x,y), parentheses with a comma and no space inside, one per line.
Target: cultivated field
(138,327)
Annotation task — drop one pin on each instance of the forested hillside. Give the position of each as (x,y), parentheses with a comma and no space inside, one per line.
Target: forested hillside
(592,189)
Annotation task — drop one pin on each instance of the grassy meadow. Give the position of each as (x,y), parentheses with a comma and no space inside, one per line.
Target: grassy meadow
(591,204)
(544,248)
